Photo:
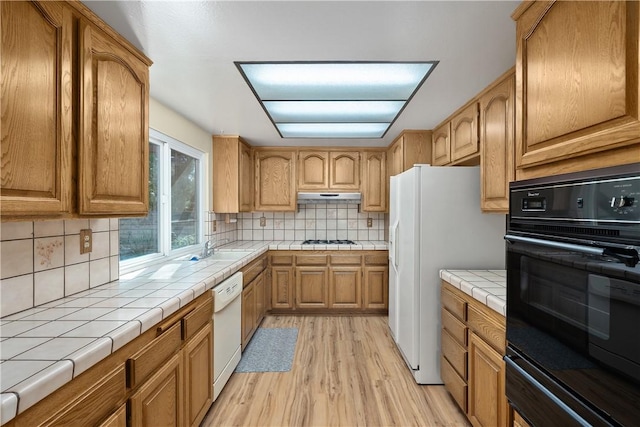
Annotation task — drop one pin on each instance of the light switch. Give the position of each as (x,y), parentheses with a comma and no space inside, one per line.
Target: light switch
(86,241)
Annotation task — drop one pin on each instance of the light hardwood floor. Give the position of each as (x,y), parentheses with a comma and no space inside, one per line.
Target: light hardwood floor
(346,371)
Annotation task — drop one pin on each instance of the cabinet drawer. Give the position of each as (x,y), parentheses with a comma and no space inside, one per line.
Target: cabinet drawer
(455,354)
(376,259)
(454,384)
(456,305)
(281,259)
(252,270)
(345,259)
(492,332)
(455,327)
(195,320)
(311,260)
(96,404)
(147,360)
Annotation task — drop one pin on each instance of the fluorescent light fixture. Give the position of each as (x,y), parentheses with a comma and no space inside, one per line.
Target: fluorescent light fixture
(332,130)
(331,94)
(333,111)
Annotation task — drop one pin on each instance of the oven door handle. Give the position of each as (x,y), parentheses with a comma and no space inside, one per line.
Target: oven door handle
(535,383)
(556,245)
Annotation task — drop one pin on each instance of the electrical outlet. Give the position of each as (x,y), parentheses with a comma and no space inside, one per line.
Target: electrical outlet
(86,241)
(263,221)
(215,225)
(369,222)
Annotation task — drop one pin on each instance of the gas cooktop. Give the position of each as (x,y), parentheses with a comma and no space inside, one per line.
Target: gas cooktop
(328,242)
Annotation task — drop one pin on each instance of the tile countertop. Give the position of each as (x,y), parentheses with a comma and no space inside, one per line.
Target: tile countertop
(487,286)
(43,348)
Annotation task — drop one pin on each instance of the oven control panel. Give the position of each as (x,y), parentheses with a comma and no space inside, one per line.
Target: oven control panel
(609,200)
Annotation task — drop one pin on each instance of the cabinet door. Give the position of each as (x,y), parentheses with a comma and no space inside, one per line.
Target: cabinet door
(259,289)
(158,402)
(248,313)
(245,177)
(114,127)
(345,287)
(344,171)
(374,182)
(275,185)
(441,145)
(313,170)
(311,287)
(282,287)
(577,86)
(497,167)
(37,133)
(376,287)
(464,133)
(487,401)
(396,157)
(198,375)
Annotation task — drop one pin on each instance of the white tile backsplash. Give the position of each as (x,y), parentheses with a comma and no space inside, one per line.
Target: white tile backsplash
(16,230)
(17,257)
(41,261)
(319,221)
(48,286)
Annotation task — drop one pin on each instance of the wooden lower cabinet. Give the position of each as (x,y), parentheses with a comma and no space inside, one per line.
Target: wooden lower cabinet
(281,287)
(329,281)
(159,401)
(376,287)
(248,314)
(471,365)
(345,287)
(311,288)
(487,402)
(198,375)
(254,305)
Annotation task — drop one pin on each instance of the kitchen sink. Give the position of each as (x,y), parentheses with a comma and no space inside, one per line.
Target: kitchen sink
(217,256)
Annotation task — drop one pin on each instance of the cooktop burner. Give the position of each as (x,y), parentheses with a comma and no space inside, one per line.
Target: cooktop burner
(328,242)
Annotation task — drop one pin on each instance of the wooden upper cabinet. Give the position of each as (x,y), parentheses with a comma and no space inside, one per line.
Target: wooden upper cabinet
(275,172)
(36,148)
(374,182)
(441,145)
(232,175)
(114,127)
(313,170)
(577,86)
(344,170)
(456,140)
(396,157)
(328,170)
(409,148)
(497,166)
(74,115)
(464,133)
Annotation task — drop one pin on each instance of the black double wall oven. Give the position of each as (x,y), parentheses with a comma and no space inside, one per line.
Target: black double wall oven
(573,298)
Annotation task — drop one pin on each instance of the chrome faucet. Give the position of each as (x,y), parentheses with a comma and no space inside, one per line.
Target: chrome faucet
(210,245)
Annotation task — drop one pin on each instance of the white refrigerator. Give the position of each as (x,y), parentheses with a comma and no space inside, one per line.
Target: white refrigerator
(435,222)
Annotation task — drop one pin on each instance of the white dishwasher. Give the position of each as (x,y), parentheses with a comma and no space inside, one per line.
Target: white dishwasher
(227,334)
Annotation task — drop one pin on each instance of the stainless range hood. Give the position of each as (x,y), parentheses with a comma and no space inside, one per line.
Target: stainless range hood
(327,197)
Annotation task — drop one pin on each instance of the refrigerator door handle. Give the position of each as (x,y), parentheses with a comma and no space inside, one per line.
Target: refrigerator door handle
(395,246)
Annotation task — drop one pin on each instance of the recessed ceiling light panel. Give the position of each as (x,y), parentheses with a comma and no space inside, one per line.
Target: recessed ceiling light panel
(333,111)
(334,92)
(332,130)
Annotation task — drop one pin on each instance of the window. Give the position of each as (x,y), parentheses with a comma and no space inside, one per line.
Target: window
(175,221)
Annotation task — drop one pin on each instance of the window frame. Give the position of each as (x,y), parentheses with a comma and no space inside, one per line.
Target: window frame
(166,144)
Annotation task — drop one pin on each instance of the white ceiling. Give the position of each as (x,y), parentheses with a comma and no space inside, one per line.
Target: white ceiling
(193,45)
